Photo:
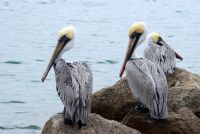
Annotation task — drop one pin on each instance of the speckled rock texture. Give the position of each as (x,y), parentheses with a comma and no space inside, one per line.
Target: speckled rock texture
(95,125)
(181,122)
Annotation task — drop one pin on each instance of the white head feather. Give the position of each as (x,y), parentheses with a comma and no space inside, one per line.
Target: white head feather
(69,32)
(153,38)
(139,27)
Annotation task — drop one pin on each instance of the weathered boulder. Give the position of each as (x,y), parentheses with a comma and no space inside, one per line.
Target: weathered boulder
(115,102)
(181,122)
(96,125)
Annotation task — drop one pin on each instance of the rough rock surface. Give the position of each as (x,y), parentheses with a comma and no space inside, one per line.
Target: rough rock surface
(184,91)
(181,122)
(115,102)
(96,125)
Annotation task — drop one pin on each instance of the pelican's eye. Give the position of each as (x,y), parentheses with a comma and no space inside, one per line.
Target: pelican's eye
(64,40)
(135,34)
(160,41)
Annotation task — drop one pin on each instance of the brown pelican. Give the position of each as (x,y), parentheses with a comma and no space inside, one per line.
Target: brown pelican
(73,80)
(146,79)
(161,53)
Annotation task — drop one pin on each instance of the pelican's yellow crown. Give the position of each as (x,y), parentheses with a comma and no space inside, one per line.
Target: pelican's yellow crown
(154,37)
(67,31)
(136,27)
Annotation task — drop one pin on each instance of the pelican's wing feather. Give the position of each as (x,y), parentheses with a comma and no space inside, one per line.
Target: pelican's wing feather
(168,59)
(74,86)
(161,89)
(148,83)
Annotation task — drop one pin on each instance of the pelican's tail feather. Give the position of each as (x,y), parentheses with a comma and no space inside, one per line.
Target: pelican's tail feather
(158,108)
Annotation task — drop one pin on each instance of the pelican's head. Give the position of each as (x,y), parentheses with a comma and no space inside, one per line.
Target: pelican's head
(138,29)
(66,37)
(137,34)
(156,39)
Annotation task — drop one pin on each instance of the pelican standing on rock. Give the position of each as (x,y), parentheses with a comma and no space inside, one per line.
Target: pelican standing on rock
(146,79)
(161,53)
(73,80)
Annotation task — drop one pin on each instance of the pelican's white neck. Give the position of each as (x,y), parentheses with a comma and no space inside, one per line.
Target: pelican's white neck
(134,55)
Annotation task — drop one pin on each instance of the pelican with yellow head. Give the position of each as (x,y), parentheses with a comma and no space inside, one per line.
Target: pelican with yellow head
(146,79)
(73,80)
(161,53)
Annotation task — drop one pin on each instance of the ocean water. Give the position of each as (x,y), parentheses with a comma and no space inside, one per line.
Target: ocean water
(28,34)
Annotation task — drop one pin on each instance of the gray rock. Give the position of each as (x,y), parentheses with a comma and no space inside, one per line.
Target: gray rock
(95,125)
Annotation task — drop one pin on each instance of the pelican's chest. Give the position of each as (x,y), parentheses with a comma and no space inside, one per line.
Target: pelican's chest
(64,72)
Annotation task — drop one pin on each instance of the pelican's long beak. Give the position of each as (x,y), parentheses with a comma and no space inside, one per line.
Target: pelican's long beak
(131,46)
(56,52)
(162,42)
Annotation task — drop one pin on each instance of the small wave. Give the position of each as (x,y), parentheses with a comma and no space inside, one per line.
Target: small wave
(13,102)
(178,11)
(6,128)
(46,3)
(101,62)
(111,61)
(38,60)
(35,81)
(170,36)
(12,62)
(34,127)
(101,71)
(29,127)
(107,62)
(23,112)
(111,42)
(94,35)
(7,74)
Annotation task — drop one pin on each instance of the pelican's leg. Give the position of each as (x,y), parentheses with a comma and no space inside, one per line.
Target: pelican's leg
(67,119)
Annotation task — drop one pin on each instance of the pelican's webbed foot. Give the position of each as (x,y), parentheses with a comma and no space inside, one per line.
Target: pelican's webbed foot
(68,122)
(140,108)
(80,124)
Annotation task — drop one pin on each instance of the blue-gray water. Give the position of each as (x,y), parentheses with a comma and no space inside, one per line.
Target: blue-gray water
(28,34)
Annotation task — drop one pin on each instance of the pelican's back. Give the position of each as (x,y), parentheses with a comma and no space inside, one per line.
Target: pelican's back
(148,84)
(153,54)
(74,85)
(163,56)
(168,59)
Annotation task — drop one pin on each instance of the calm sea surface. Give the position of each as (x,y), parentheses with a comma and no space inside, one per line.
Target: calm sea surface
(28,34)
